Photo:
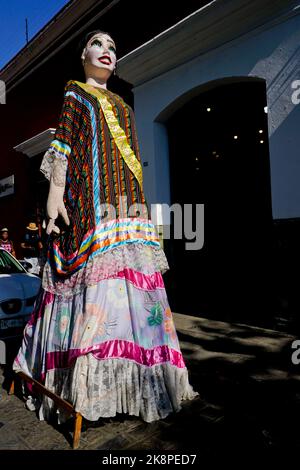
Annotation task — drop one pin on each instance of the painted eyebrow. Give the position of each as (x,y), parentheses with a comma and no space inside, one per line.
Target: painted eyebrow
(108,40)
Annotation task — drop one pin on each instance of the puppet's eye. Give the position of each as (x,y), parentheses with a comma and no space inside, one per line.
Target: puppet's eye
(97,43)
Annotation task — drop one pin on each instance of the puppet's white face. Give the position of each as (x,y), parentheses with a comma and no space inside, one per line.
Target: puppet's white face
(100,52)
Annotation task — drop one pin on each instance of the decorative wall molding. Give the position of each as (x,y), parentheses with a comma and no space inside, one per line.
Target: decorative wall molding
(213,25)
(37,144)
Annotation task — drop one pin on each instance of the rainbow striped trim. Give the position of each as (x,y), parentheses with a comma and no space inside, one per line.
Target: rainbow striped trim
(104,237)
(60,147)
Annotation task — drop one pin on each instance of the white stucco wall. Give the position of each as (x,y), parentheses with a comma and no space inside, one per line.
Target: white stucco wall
(272,54)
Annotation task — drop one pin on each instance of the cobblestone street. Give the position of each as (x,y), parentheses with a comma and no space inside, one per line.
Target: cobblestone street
(249,395)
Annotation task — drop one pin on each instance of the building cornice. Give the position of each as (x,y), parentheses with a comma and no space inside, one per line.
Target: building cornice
(37,144)
(213,25)
(57,33)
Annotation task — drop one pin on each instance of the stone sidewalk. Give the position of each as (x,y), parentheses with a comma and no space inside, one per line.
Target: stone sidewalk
(249,397)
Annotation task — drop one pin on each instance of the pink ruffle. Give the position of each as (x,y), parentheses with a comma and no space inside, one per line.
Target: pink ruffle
(117,349)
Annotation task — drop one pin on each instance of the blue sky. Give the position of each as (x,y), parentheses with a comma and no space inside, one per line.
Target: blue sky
(12,23)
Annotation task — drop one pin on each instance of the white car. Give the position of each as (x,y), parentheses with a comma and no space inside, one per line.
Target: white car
(18,291)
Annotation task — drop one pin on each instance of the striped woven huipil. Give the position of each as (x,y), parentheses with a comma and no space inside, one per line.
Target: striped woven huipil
(97,178)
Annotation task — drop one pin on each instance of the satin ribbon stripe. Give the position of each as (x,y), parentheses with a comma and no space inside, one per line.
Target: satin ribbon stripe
(94,250)
(149,282)
(116,131)
(117,349)
(113,239)
(96,243)
(113,231)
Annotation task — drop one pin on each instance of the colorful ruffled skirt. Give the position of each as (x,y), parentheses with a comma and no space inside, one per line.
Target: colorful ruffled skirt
(104,338)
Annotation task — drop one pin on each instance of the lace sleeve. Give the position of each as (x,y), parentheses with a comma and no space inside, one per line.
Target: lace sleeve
(54,165)
(55,160)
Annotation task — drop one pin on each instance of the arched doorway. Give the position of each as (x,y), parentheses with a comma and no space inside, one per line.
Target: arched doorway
(219,157)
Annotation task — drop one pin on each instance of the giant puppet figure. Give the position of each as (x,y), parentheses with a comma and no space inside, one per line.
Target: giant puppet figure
(102,334)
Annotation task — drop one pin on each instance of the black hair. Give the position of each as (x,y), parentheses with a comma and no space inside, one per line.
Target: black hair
(85,39)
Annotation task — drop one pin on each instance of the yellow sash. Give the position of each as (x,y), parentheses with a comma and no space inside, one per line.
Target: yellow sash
(116,131)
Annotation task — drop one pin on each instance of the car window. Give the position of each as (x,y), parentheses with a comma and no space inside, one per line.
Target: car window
(8,265)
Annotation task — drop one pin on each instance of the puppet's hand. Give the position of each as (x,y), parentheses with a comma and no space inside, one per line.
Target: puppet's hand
(56,207)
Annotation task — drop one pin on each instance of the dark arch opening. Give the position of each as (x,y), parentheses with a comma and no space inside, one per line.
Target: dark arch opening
(219,157)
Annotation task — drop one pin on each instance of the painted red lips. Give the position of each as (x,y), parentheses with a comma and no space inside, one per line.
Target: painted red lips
(105,59)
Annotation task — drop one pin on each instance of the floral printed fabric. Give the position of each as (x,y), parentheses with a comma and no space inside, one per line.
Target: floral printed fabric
(114,310)
(116,333)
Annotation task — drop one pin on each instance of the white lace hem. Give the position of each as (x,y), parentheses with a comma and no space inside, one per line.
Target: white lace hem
(103,388)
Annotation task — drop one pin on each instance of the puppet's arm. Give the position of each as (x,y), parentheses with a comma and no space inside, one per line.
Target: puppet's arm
(55,161)
(55,202)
